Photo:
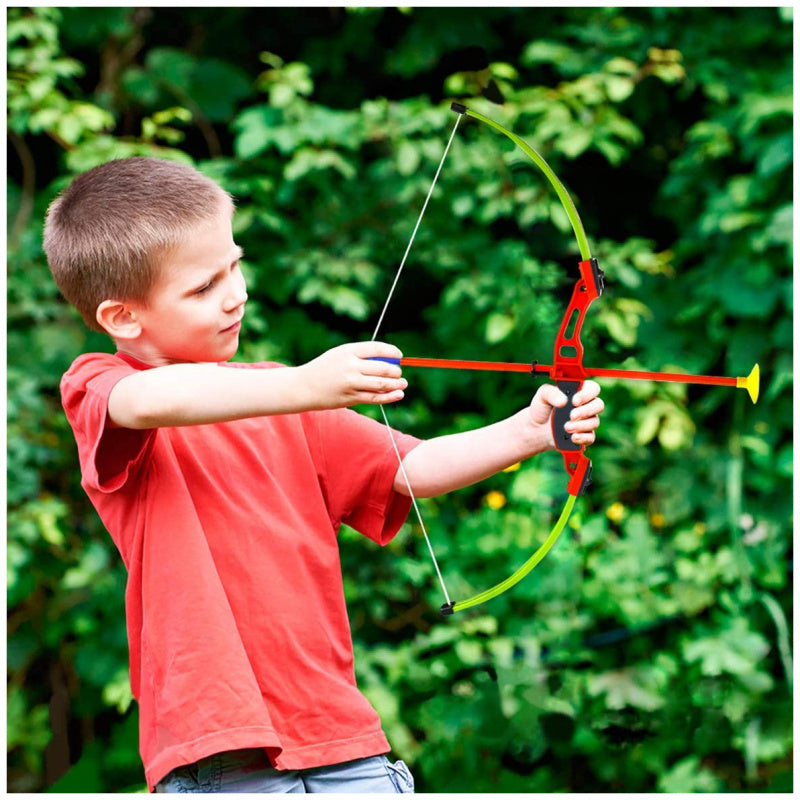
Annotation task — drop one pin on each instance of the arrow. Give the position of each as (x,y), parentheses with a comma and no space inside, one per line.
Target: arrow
(750,383)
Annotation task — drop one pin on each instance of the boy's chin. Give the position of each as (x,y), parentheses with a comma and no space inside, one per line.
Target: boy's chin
(227,353)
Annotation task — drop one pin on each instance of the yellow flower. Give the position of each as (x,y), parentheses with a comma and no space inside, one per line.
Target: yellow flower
(513,467)
(699,528)
(495,500)
(615,512)
(657,520)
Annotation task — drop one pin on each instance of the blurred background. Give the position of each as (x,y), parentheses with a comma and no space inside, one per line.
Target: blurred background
(652,650)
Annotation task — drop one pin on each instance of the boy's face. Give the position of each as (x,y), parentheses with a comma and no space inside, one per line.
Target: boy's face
(194,312)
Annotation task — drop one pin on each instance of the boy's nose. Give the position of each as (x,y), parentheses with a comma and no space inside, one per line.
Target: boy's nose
(237,295)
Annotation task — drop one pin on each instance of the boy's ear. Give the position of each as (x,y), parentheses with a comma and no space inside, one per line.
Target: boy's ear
(118,319)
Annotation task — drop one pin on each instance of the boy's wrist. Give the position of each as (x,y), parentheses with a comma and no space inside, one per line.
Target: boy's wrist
(304,387)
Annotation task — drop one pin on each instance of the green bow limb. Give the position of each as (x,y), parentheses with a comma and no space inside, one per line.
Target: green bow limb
(512,580)
(563,194)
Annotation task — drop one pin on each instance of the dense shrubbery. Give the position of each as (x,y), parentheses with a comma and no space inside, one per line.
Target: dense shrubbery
(651,650)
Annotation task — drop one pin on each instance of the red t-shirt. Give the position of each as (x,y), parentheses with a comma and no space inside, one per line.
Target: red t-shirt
(237,626)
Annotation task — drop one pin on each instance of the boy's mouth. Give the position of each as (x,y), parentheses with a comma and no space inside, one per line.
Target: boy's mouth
(232,328)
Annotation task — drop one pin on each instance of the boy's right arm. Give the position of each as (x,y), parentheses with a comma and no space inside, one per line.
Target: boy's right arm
(198,394)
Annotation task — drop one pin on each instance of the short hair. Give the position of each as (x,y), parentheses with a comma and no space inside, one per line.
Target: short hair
(106,235)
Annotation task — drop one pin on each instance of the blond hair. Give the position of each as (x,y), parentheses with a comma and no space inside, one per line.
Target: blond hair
(106,235)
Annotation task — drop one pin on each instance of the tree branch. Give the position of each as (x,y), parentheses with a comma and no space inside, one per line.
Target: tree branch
(28,188)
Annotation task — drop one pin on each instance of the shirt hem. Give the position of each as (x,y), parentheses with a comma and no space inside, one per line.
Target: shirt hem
(326,753)
(218,742)
(304,757)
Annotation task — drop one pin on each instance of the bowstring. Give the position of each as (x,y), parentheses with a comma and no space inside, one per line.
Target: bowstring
(375,336)
(416,507)
(414,232)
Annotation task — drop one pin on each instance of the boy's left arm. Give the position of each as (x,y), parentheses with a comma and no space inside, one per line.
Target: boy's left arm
(445,463)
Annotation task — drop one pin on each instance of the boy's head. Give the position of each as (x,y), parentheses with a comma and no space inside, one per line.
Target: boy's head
(106,235)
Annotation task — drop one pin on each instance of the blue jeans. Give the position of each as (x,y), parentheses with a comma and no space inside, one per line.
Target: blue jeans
(249,771)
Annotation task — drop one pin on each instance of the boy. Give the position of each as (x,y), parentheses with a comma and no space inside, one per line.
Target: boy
(224,485)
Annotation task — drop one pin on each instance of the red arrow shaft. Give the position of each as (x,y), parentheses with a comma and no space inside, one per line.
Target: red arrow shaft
(448,363)
(545,369)
(642,375)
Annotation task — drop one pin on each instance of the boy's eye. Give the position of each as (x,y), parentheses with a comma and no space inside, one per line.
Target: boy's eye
(210,285)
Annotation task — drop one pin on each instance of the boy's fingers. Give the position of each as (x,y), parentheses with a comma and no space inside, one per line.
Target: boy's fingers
(582,425)
(376,350)
(591,409)
(588,392)
(379,398)
(547,398)
(552,395)
(381,369)
(387,385)
(390,397)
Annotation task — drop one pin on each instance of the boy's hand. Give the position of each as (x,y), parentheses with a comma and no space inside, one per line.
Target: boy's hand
(584,418)
(345,376)
(450,462)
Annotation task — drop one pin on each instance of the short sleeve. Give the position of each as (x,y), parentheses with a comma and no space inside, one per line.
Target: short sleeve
(108,455)
(358,464)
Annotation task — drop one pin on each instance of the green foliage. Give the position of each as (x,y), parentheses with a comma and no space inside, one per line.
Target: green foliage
(651,650)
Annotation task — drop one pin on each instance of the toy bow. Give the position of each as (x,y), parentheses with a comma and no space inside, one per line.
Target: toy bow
(567,370)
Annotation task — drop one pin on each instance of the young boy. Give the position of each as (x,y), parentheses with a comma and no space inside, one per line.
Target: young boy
(224,485)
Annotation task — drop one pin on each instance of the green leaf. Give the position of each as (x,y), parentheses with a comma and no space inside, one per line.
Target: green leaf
(498,327)
(635,687)
(255,130)
(171,65)
(688,775)
(735,650)
(218,88)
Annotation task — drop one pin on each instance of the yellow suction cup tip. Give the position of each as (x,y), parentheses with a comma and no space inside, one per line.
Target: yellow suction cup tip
(751,383)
